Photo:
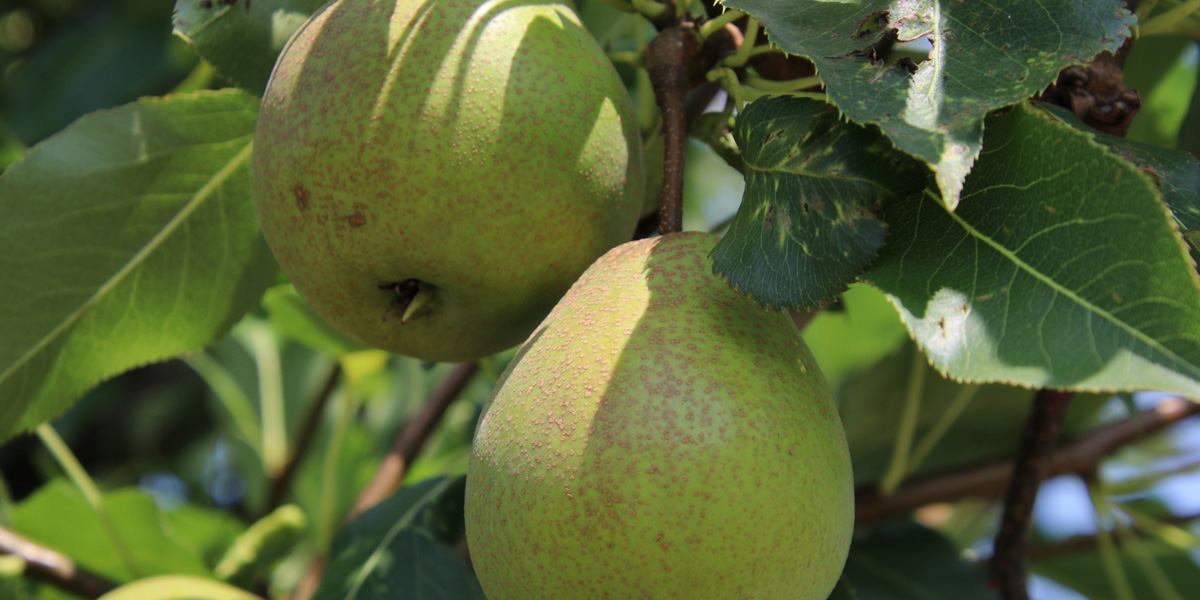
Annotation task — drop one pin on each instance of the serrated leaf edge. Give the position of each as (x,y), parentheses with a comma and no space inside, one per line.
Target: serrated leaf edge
(1091,139)
(218,178)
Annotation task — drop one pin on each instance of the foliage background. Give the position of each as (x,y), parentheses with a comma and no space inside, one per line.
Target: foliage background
(183,449)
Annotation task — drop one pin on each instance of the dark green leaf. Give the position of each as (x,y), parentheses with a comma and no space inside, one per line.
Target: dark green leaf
(109,53)
(242,38)
(400,549)
(1064,270)
(806,227)
(905,561)
(987,55)
(843,591)
(127,238)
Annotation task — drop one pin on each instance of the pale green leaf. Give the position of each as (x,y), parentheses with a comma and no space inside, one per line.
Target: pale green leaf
(178,587)
(154,547)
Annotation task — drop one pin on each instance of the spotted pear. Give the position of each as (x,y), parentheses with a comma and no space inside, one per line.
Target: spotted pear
(660,436)
(432,175)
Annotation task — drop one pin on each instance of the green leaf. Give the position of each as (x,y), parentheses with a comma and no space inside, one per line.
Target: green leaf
(987,55)
(400,549)
(1167,81)
(1064,269)
(1175,172)
(178,587)
(240,38)
(905,561)
(206,532)
(265,543)
(154,547)
(293,318)
(127,238)
(806,227)
(985,421)
(855,336)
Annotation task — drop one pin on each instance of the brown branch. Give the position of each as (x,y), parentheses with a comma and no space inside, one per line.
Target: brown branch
(308,430)
(53,568)
(1010,563)
(408,444)
(1081,456)
(668,57)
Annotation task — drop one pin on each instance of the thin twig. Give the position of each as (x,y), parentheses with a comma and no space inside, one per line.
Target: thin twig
(1076,544)
(667,60)
(1082,455)
(304,438)
(54,568)
(1010,563)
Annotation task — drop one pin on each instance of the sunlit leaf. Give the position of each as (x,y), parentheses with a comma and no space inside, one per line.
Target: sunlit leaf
(1061,269)
(127,238)
(152,544)
(985,55)
(242,38)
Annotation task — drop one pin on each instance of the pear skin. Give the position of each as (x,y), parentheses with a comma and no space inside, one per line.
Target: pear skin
(432,175)
(660,436)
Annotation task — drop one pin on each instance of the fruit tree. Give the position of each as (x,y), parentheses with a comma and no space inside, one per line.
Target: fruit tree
(599,299)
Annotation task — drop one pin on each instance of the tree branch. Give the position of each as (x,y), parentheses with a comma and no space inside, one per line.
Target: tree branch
(408,444)
(1082,455)
(308,430)
(1010,563)
(54,568)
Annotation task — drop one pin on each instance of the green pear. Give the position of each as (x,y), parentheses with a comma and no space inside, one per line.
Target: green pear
(660,436)
(432,175)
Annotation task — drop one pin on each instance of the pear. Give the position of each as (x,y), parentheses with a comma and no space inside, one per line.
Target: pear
(432,175)
(660,436)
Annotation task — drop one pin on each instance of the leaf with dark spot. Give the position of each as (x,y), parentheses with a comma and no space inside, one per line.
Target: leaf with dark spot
(806,227)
